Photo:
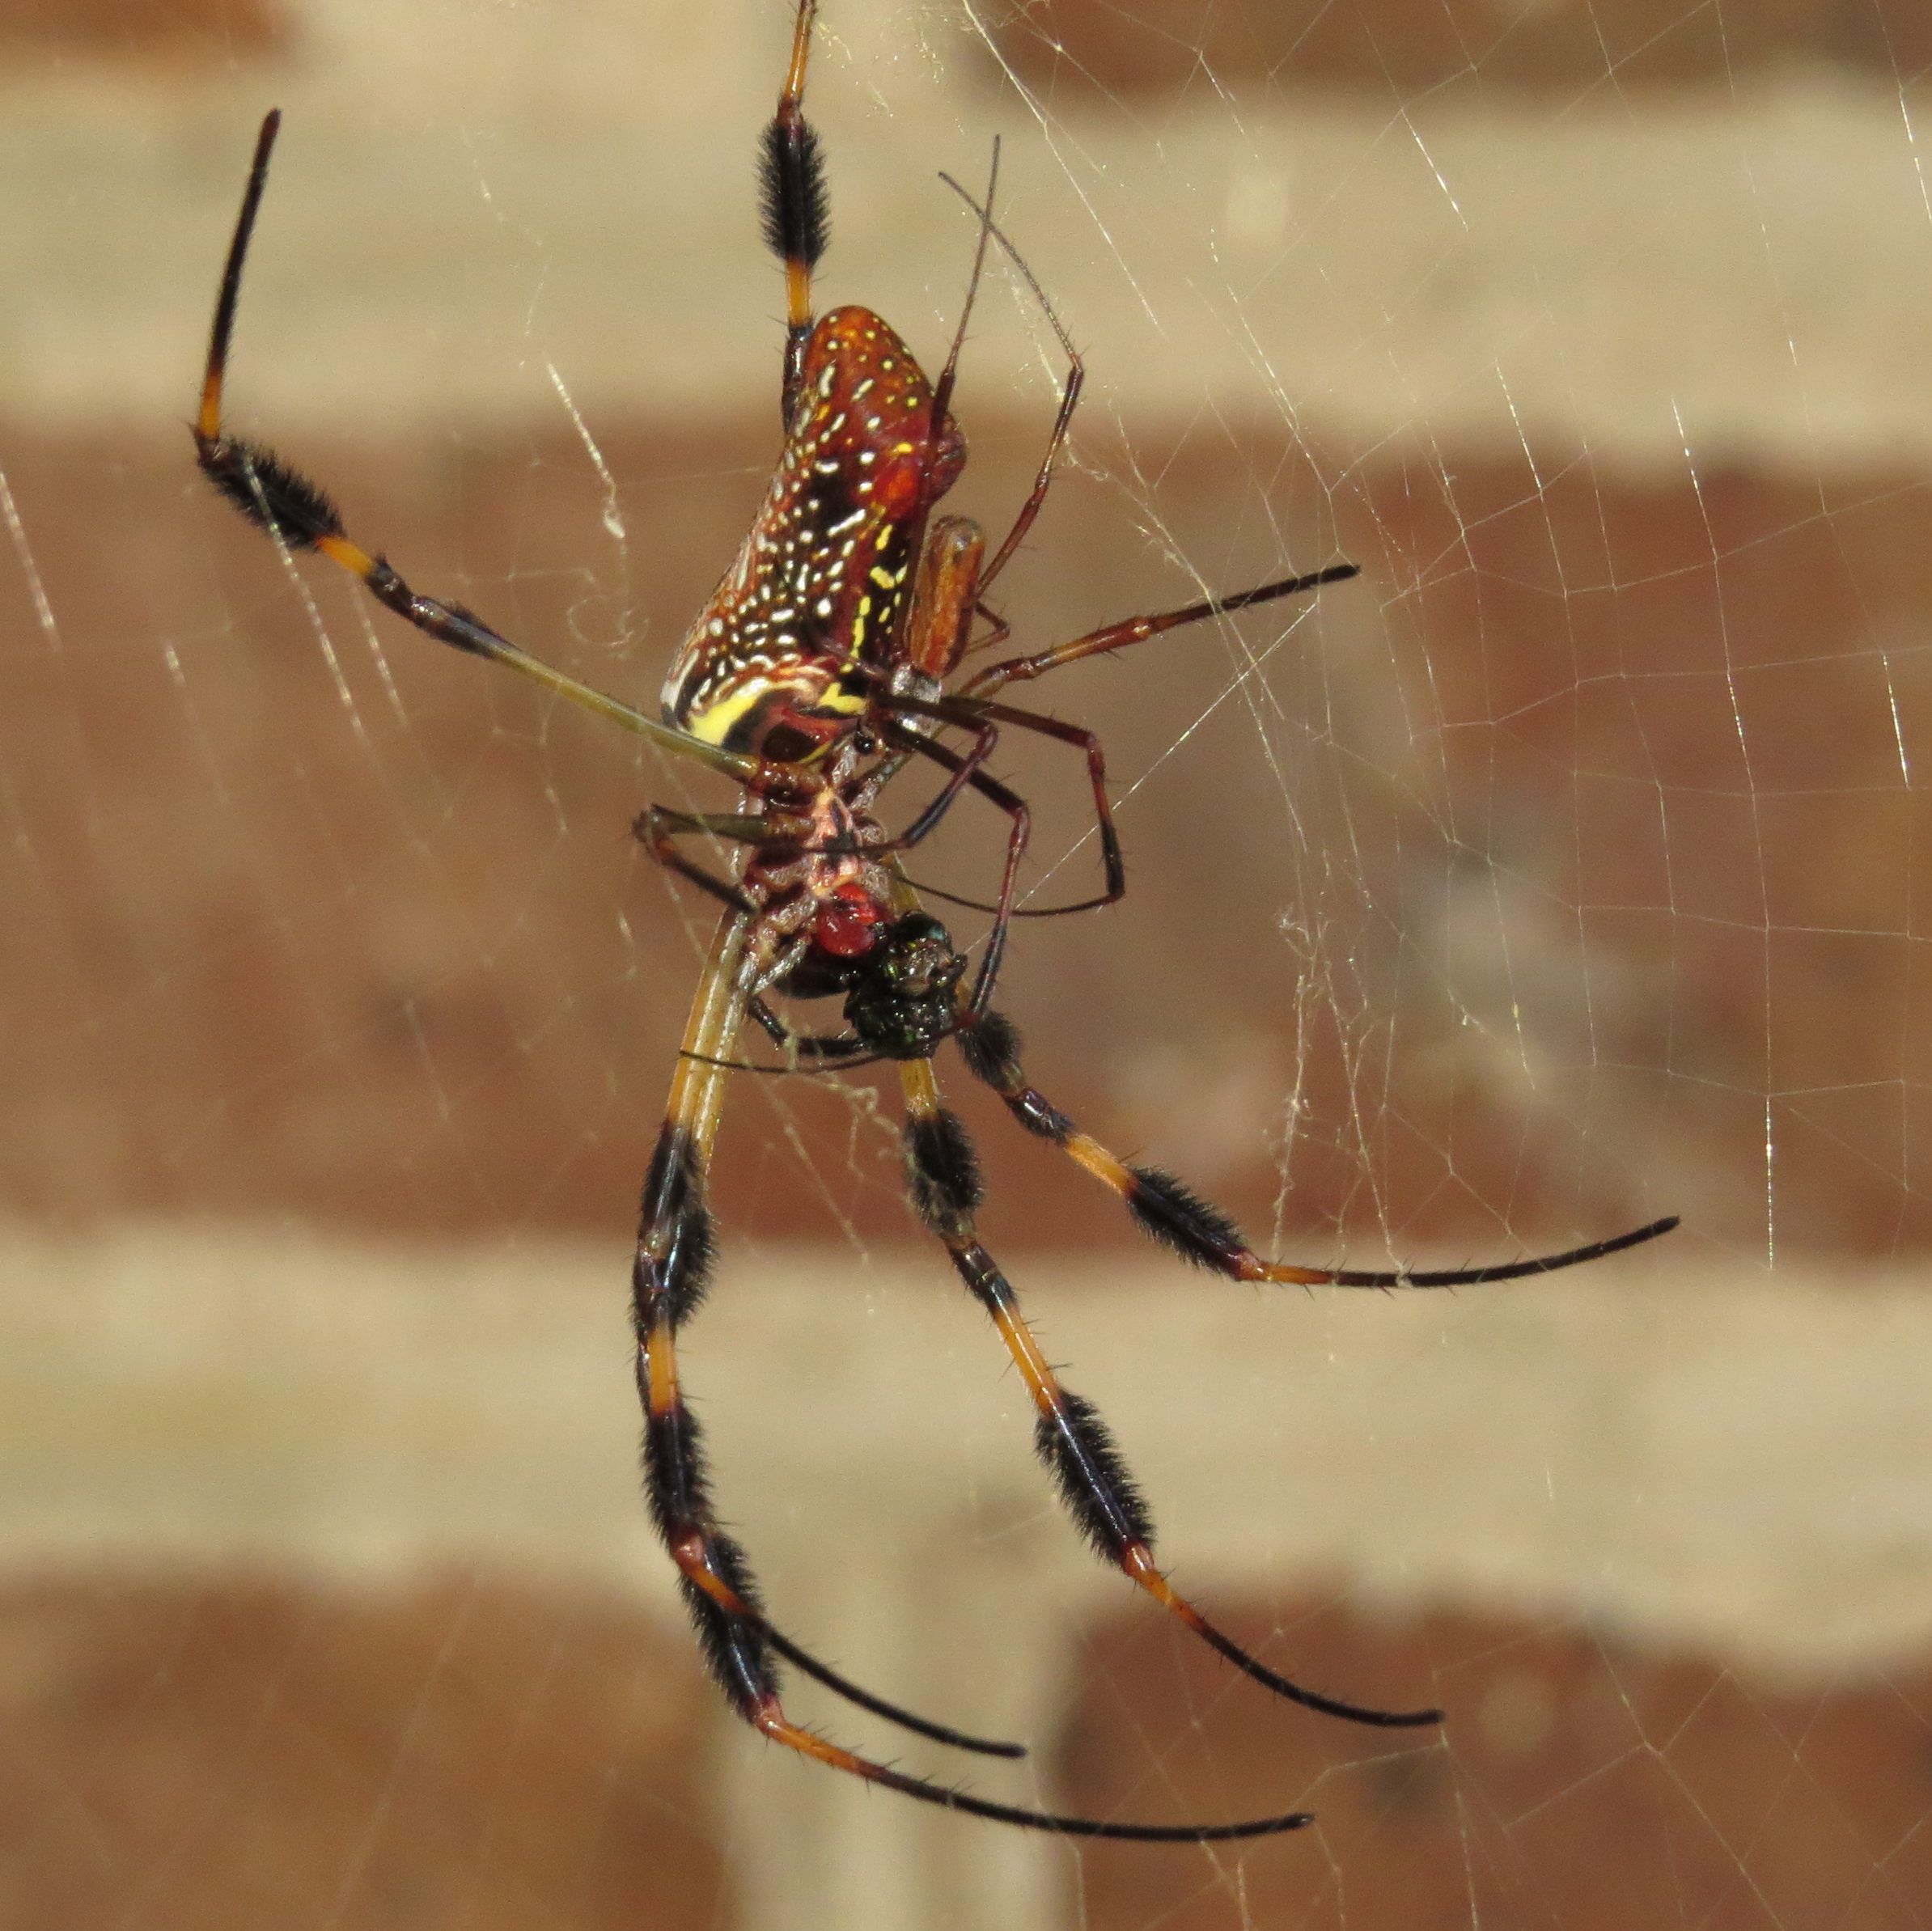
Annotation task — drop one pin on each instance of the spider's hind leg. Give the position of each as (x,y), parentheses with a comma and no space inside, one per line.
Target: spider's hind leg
(1069,1437)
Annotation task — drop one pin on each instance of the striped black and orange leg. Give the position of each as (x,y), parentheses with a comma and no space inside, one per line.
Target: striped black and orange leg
(1069,1437)
(299,516)
(669,1275)
(793,178)
(668,1279)
(1172,1213)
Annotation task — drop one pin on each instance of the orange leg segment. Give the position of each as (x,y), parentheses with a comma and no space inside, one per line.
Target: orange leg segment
(1169,1211)
(1069,1437)
(669,1277)
(299,514)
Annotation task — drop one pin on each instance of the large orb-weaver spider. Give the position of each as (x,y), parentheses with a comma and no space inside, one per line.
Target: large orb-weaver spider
(819,670)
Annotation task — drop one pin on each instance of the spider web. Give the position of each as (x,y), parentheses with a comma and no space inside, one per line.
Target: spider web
(1558,873)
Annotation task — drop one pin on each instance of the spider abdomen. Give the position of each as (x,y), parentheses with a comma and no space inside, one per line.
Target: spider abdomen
(819,586)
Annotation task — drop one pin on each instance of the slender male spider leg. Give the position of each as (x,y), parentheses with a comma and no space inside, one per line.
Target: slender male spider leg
(1069,1438)
(1134,630)
(1049,463)
(999,633)
(1170,1212)
(1070,391)
(971,714)
(299,516)
(1015,806)
(1116,635)
(669,1277)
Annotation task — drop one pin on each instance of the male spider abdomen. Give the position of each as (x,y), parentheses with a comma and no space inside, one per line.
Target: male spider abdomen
(820,585)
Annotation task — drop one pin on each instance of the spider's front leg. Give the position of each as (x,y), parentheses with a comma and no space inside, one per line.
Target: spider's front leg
(1069,1437)
(278,499)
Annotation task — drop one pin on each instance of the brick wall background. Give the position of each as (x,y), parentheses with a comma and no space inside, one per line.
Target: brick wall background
(1552,873)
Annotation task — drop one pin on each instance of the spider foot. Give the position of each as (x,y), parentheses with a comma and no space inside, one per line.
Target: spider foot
(769,1717)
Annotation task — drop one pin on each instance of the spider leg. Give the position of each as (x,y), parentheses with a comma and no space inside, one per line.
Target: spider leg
(1069,390)
(1009,800)
(792,178)
(972,714)
(841,1048)
(1114,636)
(1063,421)
(1069,1438)
(299,516)
(1133,630)
(657,825)
(965,772)
(668,1279)
(1173,1214)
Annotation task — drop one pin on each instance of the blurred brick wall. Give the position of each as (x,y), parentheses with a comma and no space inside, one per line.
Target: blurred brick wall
(1580,1786)
(194,1754)
(1692,711)
(1405,47)
(270,953)
(230,1750)
(181,34)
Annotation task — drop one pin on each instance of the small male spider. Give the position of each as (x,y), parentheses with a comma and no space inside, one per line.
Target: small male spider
(817,672)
